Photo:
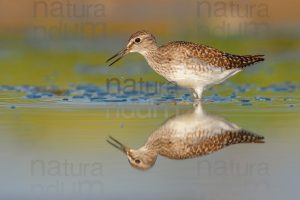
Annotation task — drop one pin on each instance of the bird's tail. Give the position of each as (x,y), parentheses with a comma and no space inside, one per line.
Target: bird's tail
(251,59)
(248,137)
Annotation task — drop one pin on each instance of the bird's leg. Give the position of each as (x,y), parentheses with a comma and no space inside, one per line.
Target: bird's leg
(194,94)
(195,98)
(197,93)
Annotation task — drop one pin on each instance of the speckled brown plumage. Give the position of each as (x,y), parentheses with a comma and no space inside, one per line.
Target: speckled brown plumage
(211,144)
(198,143)
(208,54)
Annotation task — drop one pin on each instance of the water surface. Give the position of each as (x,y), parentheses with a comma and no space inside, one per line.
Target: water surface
(53,149)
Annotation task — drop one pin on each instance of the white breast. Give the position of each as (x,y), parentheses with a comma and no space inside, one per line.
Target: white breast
(191,77)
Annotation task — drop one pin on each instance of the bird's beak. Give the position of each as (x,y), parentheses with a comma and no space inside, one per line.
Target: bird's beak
(117,144)
(118,56)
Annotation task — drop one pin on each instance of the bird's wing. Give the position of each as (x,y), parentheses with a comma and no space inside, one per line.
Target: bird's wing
(205,55)
(196,146)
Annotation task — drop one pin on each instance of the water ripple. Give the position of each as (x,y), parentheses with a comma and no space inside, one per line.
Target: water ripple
(87,93)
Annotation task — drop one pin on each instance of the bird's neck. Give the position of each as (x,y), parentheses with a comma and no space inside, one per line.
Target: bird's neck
(153,58)
(149,150)
(149,51)
(150,56)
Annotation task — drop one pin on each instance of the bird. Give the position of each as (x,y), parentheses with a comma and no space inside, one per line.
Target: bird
(189,65)
(188,135)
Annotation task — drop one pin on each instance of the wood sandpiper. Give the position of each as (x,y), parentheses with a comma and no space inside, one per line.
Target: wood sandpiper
(188,135)
(190,65)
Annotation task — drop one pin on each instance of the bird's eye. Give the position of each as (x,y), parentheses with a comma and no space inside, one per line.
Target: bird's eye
(137,161)
(137,40)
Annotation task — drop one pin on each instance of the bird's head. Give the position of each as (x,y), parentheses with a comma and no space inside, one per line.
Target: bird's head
(141,159)
(140,42)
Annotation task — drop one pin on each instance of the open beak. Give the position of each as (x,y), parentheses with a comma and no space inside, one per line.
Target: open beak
(118,56)
(117,144)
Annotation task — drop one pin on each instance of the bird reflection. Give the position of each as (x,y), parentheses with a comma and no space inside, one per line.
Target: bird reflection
(194,133)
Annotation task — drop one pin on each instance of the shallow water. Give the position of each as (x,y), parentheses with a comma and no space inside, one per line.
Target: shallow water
(56,149)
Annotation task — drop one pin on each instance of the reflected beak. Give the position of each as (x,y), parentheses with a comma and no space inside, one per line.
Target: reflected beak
(118,56)
(117,144)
